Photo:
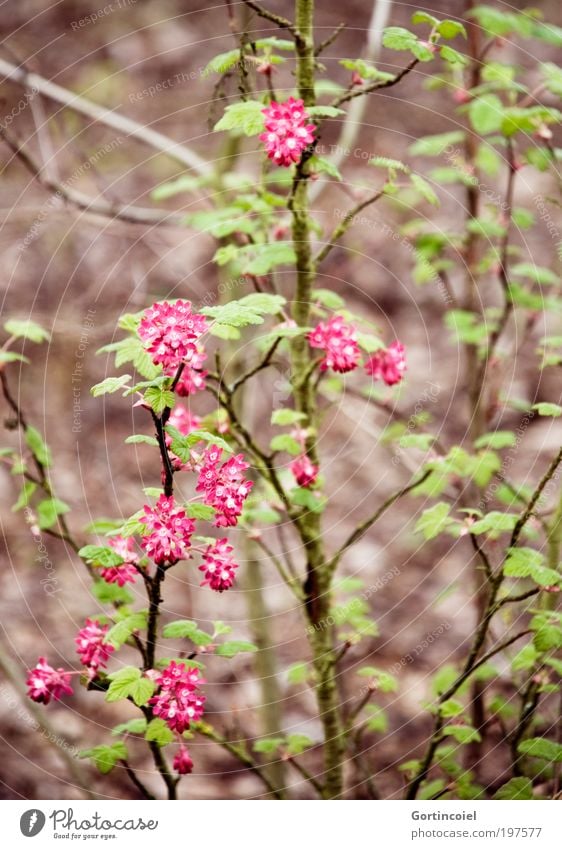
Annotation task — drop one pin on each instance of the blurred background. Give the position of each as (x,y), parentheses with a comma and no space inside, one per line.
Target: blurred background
(75,271)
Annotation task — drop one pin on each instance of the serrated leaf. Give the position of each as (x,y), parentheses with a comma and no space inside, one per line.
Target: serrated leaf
(158,732)
(121,683)
(141,691)
(298,743)
(286,417)
(546,409)
(287,443)
(141,438)
(133,726)
(462,733)
(27,490)
(434,520)
(200,511)
(234,647)
(49,510)
(516,788)
(424,189)
(159,399)
(246,117)
(122,630)
(105,757)
(437,144)
(186,629)
(26,329)
(486,114)
(110,385)
(100,555)
(269,745)
(498,439)
(37,446)
(538,747)
(450,29)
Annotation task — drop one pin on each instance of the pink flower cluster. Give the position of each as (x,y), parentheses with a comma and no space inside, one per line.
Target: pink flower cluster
(170,531)
(304,470)
(126,572)
(182,761)
(388,364)
(45,683)
(182,419)
(170,332)
(92,650)
(178,702)
(193,377)
(219,566)
(287,132)
(339,341)
(224,485)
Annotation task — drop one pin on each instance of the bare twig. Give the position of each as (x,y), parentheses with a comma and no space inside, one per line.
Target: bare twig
(346,223)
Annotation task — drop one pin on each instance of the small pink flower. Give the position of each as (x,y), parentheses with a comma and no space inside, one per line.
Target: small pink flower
(224,486)
(287,132)
(45,683)
(193,376)
(170,531)
(182,419)
(92,650)
(170,332)
(219,566)
(388,364)
(304,470)
(339,340)
(182,761)
(178,702)
(126,572)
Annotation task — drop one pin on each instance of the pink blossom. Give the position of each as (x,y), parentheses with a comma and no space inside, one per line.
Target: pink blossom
(45,683)
(182,761)
(170,332)
(219,566)
(388,364)
(339,340)
(92,650)
(224,486)
(193,376)
(304,470)
(126,572)
(182,419)
(178,702)
(287,132)
(169,537)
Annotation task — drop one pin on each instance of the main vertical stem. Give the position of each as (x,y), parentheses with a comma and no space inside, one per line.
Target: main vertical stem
(319,576)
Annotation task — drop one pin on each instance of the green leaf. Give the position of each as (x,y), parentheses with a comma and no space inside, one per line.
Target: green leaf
(186,629)
(100,555)
(158,732)
(122,630)
(248,310)
(133,726)
(424,18)
(436,145)
(453,56)
(234,647)
(159,399)
(450,29)
(105,757)
(540,275)
(121,683)
(26,329)
(545,409)
(185,183)
(330,300)
(269,745)
(298,743)
(222,63)
(398,38)
(538,747)
(525,658)
(434,520)
(48,511)
(528,563)
(141,438)
(324,111)
(516,788)
(111,593)
(142,690)
(12,357)
(377,721)
(285,442)
(390,164)
(498,439)
(37,446)
(495,523)
(451,708)
(486,114)
(286,417)
(384,681)
(110,385)
(245,117)
(297,673)
(425,190)
(462,733)
(27,490)
(196,510)
(303,497)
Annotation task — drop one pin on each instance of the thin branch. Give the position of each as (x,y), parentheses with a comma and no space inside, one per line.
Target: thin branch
(264,363)
(306,775)
(130,214)
(328,41)
(364,526)
(346,223)
(146,794)
(528,512)
(351,94)
(242,756)
(178,152)
(279,20)
(291,583)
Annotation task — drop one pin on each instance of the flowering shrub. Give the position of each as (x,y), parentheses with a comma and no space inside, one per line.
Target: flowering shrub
(218,474)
